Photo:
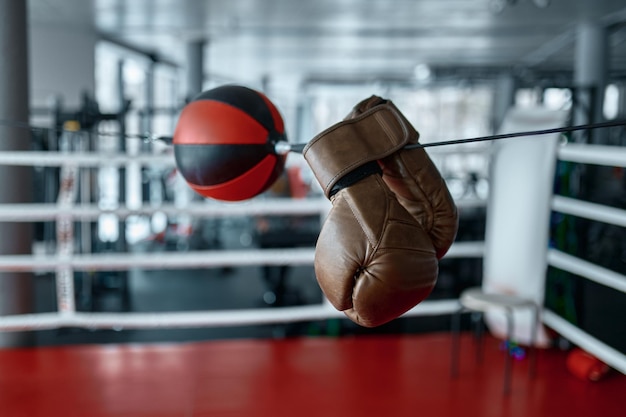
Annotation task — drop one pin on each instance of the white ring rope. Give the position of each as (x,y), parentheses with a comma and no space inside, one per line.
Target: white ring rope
(100,159)
(601,350)
(214,318)
(155,261)
(188,260)
(591,211)
(84,159)
(46,212)
(612,156)
(309,206)
(592,272)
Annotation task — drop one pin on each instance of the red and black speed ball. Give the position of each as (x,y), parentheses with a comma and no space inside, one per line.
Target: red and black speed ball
(224,143)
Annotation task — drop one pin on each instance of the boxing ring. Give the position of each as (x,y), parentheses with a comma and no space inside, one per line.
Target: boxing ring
(67,316)
(258,363)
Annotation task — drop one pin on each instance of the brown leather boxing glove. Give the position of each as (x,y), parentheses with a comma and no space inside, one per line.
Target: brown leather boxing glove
(373,260)
(415,180)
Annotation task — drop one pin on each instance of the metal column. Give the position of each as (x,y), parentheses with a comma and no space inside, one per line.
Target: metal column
(195,67)
(590,72)
(16,183)
(504,98)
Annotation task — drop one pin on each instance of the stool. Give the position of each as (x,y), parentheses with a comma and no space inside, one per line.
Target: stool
(476,300)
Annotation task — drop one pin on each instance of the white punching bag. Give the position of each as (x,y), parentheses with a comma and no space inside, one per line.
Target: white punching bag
(518,216)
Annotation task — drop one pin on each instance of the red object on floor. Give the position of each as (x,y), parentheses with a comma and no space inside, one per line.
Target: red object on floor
(585,366)
(356,376)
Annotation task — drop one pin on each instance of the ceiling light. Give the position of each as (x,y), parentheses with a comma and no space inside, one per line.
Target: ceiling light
(422,72)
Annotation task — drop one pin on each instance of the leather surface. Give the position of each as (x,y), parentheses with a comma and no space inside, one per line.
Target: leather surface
(417,183)
(349,149)
(373,261)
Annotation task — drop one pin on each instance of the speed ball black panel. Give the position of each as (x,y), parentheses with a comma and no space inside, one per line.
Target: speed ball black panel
(244,99)
(216,164)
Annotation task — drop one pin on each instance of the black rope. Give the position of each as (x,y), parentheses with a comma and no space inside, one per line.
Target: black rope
(565,129)
(299,147)
(28,126)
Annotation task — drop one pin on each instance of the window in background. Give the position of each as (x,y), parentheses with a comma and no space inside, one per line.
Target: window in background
(126,75)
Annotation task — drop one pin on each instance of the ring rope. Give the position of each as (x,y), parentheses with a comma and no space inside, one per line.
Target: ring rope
(275,206)
(191,319)
(187,260)
(85,159)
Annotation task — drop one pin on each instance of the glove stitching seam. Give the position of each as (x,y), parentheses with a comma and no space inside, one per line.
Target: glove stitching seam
(430,212)
(349,203)
(404,139)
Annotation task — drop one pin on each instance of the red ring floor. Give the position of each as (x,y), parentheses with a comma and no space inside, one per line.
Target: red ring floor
(358,376)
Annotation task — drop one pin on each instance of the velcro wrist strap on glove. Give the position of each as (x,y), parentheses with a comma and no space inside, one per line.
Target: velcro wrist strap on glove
(347,145)
(373,102)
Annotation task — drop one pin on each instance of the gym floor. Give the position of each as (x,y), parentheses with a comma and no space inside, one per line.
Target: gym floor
(391,375)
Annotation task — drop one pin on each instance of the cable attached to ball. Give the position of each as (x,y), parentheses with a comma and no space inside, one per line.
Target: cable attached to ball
(283,148)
